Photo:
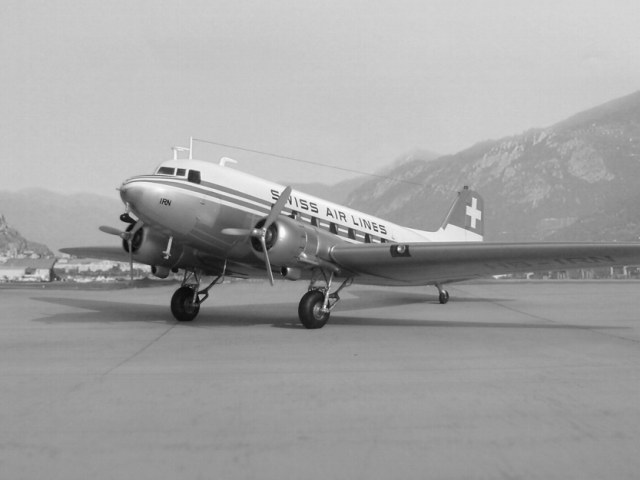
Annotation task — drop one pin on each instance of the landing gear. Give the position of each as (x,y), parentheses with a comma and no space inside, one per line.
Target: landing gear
(443,295)
(185,303)
(311,311)
(316,305)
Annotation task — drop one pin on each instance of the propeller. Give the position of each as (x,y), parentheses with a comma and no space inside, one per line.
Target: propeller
(112,231)
(127,236)
(260,233)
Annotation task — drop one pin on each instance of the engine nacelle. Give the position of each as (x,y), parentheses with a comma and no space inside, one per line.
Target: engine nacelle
(294,245)
(160,272)
(291,273)
(148,247)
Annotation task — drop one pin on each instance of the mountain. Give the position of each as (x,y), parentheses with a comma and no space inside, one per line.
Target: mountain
(12,243)
(61,220)
(576,180)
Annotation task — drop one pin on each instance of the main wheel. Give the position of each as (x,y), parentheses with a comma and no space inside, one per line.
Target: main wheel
(310,310)
(182,305)
(443,297)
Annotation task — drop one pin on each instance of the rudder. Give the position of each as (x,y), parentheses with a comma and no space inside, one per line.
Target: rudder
(465,220)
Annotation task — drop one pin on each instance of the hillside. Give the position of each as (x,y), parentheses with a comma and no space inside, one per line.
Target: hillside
(576,180)
(12,242)
(61,220)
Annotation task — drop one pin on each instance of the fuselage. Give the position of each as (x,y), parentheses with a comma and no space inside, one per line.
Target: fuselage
(194,201)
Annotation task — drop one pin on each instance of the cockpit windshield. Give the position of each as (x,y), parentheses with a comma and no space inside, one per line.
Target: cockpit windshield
(192,176)
(166,171)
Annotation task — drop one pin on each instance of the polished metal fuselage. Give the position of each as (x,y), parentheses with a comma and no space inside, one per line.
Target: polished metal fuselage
(194,214)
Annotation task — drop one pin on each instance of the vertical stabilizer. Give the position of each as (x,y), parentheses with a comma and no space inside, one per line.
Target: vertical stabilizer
(465,220)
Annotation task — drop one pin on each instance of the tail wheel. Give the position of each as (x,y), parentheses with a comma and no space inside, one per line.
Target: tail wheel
(443,297)
(182,305)
(310,310)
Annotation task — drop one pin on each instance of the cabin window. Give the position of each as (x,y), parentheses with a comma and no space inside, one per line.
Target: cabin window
(166,171)
(181,172)
(333,229)
(314,221)
(351,234)
(367,238)
(194,176)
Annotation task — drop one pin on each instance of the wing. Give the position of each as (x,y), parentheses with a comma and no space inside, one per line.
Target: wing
(117,254)
(428,263)
(210,265)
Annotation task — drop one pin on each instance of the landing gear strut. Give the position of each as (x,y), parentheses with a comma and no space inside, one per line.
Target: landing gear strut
(316,305)
(443,295)
(185,303)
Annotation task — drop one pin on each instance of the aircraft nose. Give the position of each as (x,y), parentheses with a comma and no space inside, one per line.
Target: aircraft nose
(131,193)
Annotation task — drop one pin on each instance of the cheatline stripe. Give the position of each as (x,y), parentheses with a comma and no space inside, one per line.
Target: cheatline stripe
(225,199)
(203,187)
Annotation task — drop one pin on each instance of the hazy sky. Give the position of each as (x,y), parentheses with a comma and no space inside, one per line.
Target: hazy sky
(92,92)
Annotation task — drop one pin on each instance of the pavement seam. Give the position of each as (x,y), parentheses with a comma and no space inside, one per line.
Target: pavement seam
(139,352)
(596,331)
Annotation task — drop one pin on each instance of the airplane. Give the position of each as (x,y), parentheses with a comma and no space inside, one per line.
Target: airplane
(211,220)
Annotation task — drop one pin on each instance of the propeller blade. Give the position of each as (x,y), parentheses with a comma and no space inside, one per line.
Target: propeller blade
(130,243)
(236,232)
(129,236)
(111,230)
(277,208)
(261,233)
(135,228)
(275,212)
(267,264)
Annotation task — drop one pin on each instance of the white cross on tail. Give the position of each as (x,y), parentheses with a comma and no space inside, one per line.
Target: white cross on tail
(473,213)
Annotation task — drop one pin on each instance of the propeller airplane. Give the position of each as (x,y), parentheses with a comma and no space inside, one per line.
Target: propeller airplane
(210,220)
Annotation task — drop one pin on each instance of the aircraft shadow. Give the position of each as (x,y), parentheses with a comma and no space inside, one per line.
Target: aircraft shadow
(100,311)
(391,297)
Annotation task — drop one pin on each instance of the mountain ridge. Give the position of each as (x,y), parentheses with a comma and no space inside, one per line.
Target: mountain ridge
(536,184)
(578,179)
(60,220)
(12,243)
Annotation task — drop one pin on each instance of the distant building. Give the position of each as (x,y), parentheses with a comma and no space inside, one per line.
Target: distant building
(81,269)
(27,270)
(84,265)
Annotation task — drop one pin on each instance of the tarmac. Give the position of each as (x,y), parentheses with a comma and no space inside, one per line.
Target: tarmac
(509,380)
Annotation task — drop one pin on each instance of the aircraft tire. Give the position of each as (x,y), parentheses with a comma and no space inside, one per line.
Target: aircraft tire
(443,297)
(182,305)
(309,310)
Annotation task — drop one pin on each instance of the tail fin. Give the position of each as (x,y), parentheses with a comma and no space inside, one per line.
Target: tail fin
(465,220)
